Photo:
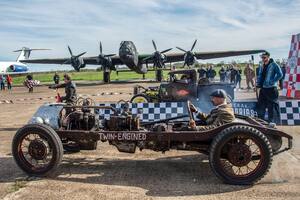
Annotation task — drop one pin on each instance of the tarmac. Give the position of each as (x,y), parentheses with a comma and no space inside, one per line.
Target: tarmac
(108,174)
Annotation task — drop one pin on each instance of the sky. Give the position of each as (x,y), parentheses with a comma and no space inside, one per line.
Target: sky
(218,25)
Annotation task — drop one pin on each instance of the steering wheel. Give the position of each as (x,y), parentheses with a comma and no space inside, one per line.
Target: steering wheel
(191,115)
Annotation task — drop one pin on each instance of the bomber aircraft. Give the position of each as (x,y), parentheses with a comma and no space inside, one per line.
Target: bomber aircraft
(129,56)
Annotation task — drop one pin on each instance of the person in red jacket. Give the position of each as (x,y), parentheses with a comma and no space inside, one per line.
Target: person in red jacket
(9,81)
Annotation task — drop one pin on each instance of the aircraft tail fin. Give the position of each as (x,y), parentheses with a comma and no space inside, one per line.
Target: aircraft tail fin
(25,53)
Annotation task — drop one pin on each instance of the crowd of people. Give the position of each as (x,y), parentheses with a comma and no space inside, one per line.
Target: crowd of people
(234,73)
(6,82)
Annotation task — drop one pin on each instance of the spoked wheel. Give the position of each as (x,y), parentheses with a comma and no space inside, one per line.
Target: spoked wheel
(139,98)
(240,155)
(85,102)
(37,149)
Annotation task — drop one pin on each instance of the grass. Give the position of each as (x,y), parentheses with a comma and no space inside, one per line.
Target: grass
(93,75)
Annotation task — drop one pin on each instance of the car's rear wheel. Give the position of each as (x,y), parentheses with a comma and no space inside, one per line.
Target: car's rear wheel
(37,149)
(140,98)
(240,155)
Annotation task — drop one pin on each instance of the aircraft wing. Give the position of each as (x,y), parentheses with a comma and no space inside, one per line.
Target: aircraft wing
(47,61)
(222,54)
(14,73)
(87,60)
(93,60)
(177,57)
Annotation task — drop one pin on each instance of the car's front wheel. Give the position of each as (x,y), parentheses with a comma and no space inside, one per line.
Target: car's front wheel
(37,149)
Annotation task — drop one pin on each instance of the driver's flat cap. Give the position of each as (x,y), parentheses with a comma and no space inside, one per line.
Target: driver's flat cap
(219,93)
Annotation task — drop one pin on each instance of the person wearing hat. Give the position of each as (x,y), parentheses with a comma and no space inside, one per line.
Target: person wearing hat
(221,114)
(267,78)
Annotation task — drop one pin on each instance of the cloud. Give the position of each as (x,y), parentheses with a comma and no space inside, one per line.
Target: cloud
(230,24)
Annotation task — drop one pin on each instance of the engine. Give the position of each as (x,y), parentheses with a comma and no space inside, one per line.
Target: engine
(83,119)
(123,122)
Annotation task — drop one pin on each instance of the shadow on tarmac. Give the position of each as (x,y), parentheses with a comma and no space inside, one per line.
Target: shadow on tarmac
(171,176)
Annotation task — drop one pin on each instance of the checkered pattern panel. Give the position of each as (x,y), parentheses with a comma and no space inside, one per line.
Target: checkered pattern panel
(290,112)
(148,111)
(292,77)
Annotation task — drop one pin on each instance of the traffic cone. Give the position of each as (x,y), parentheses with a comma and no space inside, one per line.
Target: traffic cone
(289,92)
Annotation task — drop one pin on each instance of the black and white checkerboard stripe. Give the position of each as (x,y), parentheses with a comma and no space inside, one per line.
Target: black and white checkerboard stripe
(148,111)
(290,112)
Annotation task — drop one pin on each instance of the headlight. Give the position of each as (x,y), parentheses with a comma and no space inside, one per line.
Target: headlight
(38,120)
(272,125)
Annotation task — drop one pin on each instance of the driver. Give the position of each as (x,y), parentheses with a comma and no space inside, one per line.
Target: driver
(70,90)
(185,78)
(221,114)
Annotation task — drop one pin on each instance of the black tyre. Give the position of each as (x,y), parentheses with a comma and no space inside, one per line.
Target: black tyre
(37,149)
(135,90)
(140,98)
(240,155)
(106,76)
(159,75)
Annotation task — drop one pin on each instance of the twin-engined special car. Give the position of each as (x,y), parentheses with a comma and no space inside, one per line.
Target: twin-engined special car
(240,152)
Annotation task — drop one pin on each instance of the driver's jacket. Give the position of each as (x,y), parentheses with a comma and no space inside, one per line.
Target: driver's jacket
(222,114)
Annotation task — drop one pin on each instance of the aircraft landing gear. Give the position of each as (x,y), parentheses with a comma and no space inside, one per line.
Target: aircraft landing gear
(106,76)
(159,75)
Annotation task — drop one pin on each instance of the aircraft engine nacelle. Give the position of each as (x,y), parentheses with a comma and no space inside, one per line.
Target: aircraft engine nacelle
(189,59)
(17,68)
(77,63)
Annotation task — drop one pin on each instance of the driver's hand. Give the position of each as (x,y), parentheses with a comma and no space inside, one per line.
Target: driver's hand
(193,108)
(192,124)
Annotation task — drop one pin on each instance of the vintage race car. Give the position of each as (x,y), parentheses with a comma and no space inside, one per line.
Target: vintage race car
(240,152)
(183,85)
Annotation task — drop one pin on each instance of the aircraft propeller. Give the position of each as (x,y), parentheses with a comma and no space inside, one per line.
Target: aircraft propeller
(189,56)
(104,59)
(157,57)
(75,60)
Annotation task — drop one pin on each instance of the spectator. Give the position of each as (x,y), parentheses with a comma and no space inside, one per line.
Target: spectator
(29,83)
(228,75)
(9,82)
(268,76)
(211,73)
(56,78)
(233,73)
(2,82)
(283,69)
(202,72)
(222,74)
(173,68)
(249,73)
(238,78)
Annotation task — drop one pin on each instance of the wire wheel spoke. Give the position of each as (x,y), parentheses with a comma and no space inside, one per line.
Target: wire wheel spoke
(243,156)
(36,150)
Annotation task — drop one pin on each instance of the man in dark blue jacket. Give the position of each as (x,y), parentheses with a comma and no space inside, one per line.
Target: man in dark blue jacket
(267,78)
